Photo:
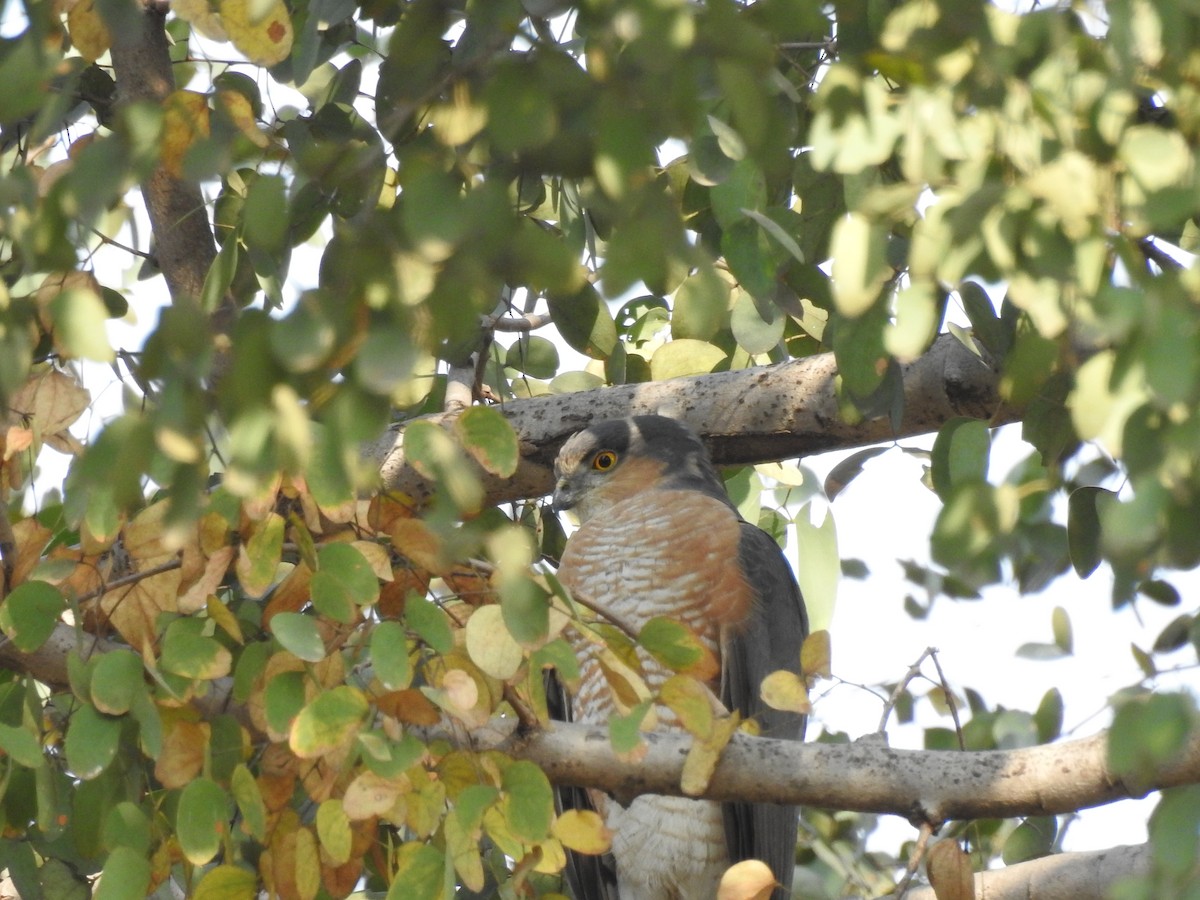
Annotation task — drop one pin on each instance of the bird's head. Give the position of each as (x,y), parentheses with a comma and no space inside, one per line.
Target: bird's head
(617,459)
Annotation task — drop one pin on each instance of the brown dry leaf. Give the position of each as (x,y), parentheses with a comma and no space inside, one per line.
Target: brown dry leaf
(89,33)
(370,795)
(377,557)
(197,594)
(384,509)
(751,879)
(146,539)
(417,541)
(31,538)
(15,440)
(393,593)
(133,609)
(290,595)
(583,831)
(183,749)
(52,401)
(476,589)
(409,706)
(949,871)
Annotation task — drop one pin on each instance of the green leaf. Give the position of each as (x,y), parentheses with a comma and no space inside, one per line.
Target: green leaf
(329,722)
(533,355)
(1049,716)
(584,322)
(1061,624)
(860,266)
(22,745)
(429,622)
(1032,839)
(1083,528)
(29,614)
(389,655)
(202,820)
(744,189)
(526,608)
(264,215)
(757,324)
(419,874)
(1149,732)
(194,656)
(92,741)
(527,802)
(436,456)
(676,647)
(684,357)
(127,825)
(960,455)
(249,800)
(490,440)
(701,306)
(79,317)
(1174,825)
(116,681)
(227,882)
(298,634)
(817,565)
(283,699)
(126,876)
(343,581)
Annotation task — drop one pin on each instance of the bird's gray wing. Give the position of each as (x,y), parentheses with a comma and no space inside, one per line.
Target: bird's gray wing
(590,877)
(769,640)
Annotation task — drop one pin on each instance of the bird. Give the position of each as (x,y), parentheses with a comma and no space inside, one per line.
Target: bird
(659,536)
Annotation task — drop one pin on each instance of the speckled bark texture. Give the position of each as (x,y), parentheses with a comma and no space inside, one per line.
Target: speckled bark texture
(747,416)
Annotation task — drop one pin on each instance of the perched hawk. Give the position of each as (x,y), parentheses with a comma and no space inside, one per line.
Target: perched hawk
(658,536)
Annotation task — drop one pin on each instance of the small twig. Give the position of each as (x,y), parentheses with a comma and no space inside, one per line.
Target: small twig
(609,616)
(132,578)
(528,322)
(958,730)
(913,671)
(914,861)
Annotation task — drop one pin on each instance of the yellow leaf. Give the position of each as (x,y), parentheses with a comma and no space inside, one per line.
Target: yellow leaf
(225,619)
(89,34)
(201,17)
(490,645)
(816,655)
(258,558)
(786,691)
(145,536)
(185,122)
(691,701)
(751,879)
(183,748)
(704,754)
(373,795)
(239,111)
(261,30)
(628,687)
(461,689)
(333,828)
(583,831)
(463,849)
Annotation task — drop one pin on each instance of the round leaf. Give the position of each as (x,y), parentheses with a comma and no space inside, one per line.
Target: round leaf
(298,634)
(92,740)
(29,614)
(201,820)
(329,722)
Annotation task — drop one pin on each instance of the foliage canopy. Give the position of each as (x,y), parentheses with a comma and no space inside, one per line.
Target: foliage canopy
(231,655)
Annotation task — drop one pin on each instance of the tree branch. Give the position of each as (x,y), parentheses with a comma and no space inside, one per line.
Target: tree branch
(747,416)
(1063,876)
(183,239)
(921,785)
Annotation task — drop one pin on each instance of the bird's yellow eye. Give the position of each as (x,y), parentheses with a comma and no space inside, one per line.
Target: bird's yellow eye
(604,460)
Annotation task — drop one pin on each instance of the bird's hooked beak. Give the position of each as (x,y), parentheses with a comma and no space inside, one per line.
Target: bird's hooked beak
(564,496)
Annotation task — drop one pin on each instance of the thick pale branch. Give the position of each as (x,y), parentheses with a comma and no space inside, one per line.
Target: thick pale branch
(746,416)
(1063,876)
(867,776)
